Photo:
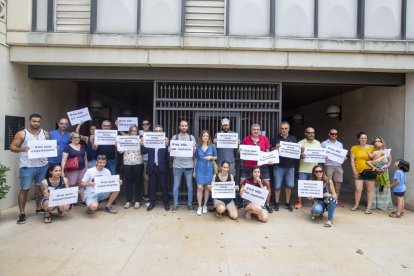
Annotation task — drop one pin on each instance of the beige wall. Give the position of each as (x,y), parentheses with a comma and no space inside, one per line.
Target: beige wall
(409,134)
(21,97)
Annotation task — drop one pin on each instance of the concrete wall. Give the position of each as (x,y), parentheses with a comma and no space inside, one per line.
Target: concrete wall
(408,135)
(21,97)
(379,111)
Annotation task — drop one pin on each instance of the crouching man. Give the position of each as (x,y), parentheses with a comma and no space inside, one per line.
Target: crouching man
(92,198)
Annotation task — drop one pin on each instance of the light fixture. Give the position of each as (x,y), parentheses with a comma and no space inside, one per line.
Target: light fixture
(95,105)
(334,111)
(298,118)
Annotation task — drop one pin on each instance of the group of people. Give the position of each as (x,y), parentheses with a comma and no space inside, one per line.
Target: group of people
(80,160)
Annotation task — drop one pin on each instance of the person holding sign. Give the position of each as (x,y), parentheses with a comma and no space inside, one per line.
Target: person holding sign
(204,156)
(224,204)
(108,150)
(183,165)
(92,198)
(146,127)
(334,169)
(90,152)
(329,200)
(31,170)
(305,168)
(227,154)
(62,137)
(53,181)
(284,172)
(250,207)
(256,139)
(133,170)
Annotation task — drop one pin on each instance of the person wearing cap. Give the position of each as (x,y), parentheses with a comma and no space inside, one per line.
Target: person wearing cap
(226,154)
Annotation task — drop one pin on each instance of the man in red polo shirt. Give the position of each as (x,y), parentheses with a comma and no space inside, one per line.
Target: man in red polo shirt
(256,139)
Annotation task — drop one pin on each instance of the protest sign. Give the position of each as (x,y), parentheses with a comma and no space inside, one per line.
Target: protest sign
(315,155)
(223,189)
(248,152)
(41,148)
(271,157)
(105,137)
(79,116)
(124,123)
(181,148)
(290,150)
(64,196)
(227,140)
(336,154)
(310,188)
(105,184)
(124,143)
(154,140)
(255,194)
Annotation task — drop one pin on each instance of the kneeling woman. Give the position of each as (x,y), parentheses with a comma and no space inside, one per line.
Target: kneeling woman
(53,181)
(250,207)
(224,204)
(329,200)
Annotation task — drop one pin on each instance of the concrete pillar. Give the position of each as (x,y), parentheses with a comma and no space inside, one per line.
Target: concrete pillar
(408,136)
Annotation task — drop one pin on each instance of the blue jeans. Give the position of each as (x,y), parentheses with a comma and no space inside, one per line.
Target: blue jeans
(319,207)
(188,173)
(111,166)
(304,176)
(284,176)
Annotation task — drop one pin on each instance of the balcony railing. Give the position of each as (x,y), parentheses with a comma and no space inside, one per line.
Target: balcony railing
(337,19)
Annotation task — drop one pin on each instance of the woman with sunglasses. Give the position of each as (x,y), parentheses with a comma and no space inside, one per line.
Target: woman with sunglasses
(329,200)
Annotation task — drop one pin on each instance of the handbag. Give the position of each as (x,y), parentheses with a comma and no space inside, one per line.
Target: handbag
(73,163)
(384,179)
(215,166)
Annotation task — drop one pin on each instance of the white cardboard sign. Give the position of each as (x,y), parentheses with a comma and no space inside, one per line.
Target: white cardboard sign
(310,188)
(124,143)
(271,157)
(290,150)
(41,148)
(78,116)
(64,196)
(227,140)
(315,155)
(105,184)
(336,154)
(181,148)
(105,137)
(124,123)
(248,152)
(155,140)
(223,189)
(255,194)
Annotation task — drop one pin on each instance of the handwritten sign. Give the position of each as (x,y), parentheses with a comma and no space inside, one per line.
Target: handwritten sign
(41,148)
(154,140)
(105,184)
(271,157)
(315,155)
(181,148)
(290,150)
(124,123)
(336,154)
(223,189)
(310,188)
(78,116)
(227,140)
(248,152)
(124,143)
(255,194)
(105,137)
(64,196)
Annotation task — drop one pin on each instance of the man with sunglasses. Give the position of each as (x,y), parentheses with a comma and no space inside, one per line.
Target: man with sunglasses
(61,135)
(146,127)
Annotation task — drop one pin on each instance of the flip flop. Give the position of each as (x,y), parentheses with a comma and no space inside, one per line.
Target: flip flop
(354,208)
(368,211)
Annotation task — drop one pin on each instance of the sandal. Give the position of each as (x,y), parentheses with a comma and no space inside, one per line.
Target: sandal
(61,214)
(401,214)
(395,215)
(355,208)
(328,224)
(47,219)
(218,214)
(368,211)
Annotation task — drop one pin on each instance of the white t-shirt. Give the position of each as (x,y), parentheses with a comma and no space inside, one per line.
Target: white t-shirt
(90,175)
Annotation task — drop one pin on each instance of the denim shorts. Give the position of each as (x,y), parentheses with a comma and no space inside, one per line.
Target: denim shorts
(264,173)
(95,198)
(226,201)
(304,176)
(29,175)
(399,194)
(283,176)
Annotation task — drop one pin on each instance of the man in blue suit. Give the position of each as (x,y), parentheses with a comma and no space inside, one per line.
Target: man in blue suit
(157,168)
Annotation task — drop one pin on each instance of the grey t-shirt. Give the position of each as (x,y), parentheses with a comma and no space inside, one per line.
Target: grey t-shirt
(183,162)
(225,154)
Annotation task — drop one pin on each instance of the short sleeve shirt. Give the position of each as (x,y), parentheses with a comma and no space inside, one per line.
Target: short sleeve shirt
(361,157)
(183,162)
(399,175)
(306,167)
(90,175)
(75,153)
(262,142)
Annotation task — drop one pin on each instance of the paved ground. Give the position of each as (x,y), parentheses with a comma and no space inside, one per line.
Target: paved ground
(136,242)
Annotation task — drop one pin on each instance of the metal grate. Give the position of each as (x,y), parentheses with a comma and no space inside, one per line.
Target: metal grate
(205,16)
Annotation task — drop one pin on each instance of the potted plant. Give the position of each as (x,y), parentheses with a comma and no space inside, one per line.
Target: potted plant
(3,187)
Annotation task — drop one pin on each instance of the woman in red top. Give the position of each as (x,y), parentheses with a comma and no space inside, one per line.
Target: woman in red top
(250,207)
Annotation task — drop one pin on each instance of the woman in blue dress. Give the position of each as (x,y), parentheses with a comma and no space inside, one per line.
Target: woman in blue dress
(204,156)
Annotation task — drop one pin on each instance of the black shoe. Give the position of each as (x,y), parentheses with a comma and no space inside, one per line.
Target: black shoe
(381,189)
(166,207)
(150,207)
(276,207)
(21,219)
(269,209)
(145,197)
(113,202)
(83,204)
(40,211)
(289,207)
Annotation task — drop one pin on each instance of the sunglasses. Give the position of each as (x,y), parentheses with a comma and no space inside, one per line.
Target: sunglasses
(333,134)
(378,141)
(310,132)
(145,124)
(318,171)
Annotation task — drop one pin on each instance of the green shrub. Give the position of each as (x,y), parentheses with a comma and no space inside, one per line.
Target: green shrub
(3,187)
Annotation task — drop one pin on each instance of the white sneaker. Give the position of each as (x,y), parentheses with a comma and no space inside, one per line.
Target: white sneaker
(136,205)
(199,210)
(127,205)
(205,210)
